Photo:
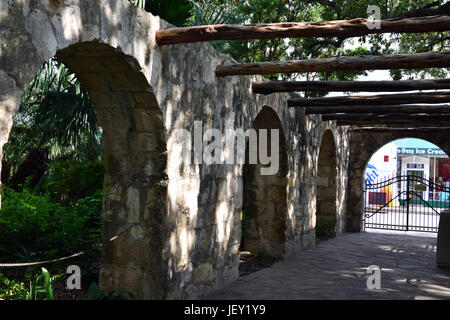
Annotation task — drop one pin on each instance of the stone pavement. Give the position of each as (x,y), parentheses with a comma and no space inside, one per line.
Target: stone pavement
(337,269)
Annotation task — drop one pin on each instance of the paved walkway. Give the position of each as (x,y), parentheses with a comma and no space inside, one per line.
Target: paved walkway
(337,269)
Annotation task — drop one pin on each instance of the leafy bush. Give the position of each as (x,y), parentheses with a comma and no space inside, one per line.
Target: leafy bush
(34,226)
(176,12)
(11,289)
(91,208)
(70,181)
(40,286)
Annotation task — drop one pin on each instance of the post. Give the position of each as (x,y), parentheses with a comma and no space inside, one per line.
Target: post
(408,195)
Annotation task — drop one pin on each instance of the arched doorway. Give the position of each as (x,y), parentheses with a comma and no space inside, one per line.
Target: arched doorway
(326,208)
(406,186)
(134,148)
(135,160)
(265,195)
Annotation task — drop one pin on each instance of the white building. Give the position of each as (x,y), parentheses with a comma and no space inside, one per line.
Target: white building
(408,157)
(383,164)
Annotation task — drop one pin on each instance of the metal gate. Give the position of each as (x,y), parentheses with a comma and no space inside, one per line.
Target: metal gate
(404,203)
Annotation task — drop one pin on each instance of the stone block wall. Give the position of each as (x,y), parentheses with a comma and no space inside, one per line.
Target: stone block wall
(326,208)
(183,221)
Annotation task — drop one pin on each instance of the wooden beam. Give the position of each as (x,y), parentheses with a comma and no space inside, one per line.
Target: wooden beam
(391,122)
(389,116)
(340,29)
(405,130)
(384,99)
(349,86)
(342,63)
(380,109)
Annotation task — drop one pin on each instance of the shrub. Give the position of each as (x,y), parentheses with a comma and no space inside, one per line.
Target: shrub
(11,289)
(34,226)
(69,181)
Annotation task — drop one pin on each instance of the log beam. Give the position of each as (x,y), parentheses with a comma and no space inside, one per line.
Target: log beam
(342,63)
(326,29)
(411,123)
(389,116)
(380,109)
(405,130)
(385,99)
(349,86)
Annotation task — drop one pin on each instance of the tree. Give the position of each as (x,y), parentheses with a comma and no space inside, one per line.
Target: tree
(270,11)
(55,120)
(176,12)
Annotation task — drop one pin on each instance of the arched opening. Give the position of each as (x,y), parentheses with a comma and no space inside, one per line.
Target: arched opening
(326,208)
(134,153)
(406,186)
(265,195)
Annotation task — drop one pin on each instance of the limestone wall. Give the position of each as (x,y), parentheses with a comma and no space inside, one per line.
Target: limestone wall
(186,217)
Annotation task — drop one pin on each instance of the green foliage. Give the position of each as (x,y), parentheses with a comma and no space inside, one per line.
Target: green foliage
(271,11)
(69,181)
(56,102)
(57,116)
(96,293)
(176,12)
(35,227)
(41,286)
(11,289)
(208,12)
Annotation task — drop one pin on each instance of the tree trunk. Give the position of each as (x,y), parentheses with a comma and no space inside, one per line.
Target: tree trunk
(6,172)
(34,162)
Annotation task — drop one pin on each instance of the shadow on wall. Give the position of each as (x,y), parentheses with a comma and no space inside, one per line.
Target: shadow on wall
(265,196)
(134,146)
(326,208)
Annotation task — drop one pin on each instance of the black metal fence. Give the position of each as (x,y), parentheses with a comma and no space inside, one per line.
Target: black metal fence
(404,203)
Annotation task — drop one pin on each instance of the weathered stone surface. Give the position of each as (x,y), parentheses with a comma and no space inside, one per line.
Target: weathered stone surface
(203,273)
(186,217)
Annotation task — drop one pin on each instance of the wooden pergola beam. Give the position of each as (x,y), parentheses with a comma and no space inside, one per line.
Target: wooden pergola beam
(381,109)
(349,86)
(388,116)
(326,29)
(411,122)
(342,63)
(405,130)
(384,99)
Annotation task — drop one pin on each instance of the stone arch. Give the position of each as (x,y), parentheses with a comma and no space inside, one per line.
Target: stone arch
(265,196)
(362,146)
(326,206)
(135,161)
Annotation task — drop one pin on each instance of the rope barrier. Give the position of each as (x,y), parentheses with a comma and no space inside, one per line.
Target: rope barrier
(25,264)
